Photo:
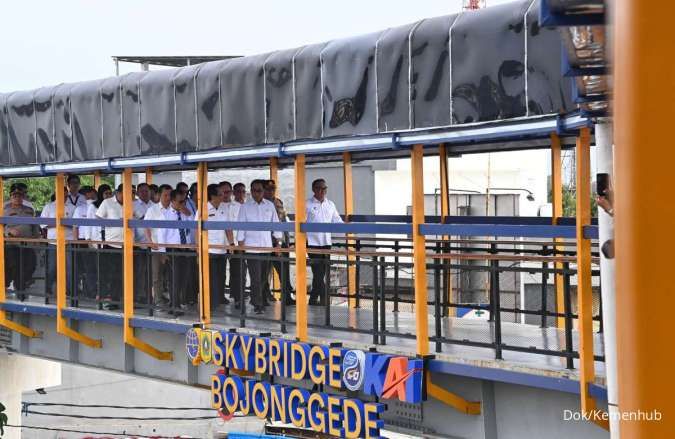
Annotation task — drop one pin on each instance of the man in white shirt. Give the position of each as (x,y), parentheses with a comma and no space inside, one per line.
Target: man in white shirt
(183,259)
(85,261)
(218,211)
(141,205)
(237,264)
(257,209)
(111,260)
(73,197)
(157,212)
(49,211)
(320,210)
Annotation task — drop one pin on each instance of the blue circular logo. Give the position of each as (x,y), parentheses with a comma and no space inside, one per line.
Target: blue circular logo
(353,368)
(192,344)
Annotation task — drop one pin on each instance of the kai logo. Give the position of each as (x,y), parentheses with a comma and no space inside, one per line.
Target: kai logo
(353,367)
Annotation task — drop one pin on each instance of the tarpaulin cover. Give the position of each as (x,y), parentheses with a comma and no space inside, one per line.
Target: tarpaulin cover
(480,66)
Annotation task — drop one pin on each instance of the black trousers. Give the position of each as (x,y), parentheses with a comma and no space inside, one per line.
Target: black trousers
(217,278)
(142,275)
(20,264)
(282,267)
(258,269)
(85,270)
(51,270)
(183,269)
(237,276)
(111,270)
(318,265)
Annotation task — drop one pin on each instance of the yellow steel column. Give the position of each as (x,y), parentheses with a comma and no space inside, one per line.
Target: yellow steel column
(203,244)
(556,201)
(128,273)
(61,269)
(445,211)
(274,175)
(9,324)
(584,291)
(419,252)
(300,250)
(97,179)
(645,238)
(148,175)
(349,210)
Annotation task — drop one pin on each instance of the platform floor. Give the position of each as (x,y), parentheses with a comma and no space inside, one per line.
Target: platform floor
(347,326)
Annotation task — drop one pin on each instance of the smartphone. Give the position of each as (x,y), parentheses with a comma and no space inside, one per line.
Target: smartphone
(602,184)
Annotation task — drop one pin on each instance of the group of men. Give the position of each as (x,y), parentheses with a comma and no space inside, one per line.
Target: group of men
(171,260)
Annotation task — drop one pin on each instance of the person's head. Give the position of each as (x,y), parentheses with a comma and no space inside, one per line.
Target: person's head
(143,192)
(214,194)
(270,190)
(177,199)
(16,197)
(320,189)
(183,187)
(239,191)
(73,183)
(226,189)
(154,193)
(257,189)
(193,191)
(88,192)
(164,195)
(119,193)
(23,187)
(104,192)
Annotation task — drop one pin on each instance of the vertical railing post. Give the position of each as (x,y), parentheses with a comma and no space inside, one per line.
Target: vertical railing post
(445,211)
(419,250)
(375,299)
(128,261)
(584,291)
(300,250)
(567,299)
(495,301)
(437,298)
(349,210)
(383,301)
(276,284)
(128,270)
(544,290)
(148,175)
(203,244)
(557,204)
(396,275)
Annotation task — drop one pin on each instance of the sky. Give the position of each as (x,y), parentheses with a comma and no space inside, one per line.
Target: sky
(49,42)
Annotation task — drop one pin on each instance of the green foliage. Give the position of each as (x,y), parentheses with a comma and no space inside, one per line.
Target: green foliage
(569,199)
(41,189)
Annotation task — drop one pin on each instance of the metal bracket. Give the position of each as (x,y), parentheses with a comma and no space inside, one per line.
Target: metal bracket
(17,327)
(453,400)
(137,343)
(63,329)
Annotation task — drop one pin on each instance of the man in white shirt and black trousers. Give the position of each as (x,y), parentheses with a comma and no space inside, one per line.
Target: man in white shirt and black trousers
(111,259)
(184,260)
(319,210)
(258,209)
(218,210)
(158,258)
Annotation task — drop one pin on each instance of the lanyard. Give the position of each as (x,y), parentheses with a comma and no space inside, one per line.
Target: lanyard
(74,203)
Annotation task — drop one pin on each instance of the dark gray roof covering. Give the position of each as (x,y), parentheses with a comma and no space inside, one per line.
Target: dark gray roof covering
(489,65)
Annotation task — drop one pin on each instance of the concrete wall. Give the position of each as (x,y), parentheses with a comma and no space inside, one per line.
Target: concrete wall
(19,374)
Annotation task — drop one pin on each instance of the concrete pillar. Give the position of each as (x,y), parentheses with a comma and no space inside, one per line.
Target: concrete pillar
(604,143)
(19,374)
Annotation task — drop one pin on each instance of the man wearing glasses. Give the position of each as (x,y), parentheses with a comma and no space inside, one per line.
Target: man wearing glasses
(320,210)
(258,209)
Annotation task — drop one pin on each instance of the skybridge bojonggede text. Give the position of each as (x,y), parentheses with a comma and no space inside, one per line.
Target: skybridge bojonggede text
(354,372)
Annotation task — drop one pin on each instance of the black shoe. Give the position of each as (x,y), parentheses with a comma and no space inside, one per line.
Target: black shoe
(258,309)
(237,305)
(226,301)
(271,298)
(290,302)
(313,301)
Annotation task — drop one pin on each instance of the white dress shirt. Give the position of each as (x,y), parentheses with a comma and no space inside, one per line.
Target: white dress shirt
(75,200)
(235,207)
(172,236)
(140,209)
(82,211)
(111,209)
(321,212)
(156,212)
(218,237)
(49,211)
(263,212)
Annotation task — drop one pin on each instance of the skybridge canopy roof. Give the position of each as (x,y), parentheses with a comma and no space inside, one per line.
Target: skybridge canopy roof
(492,65)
